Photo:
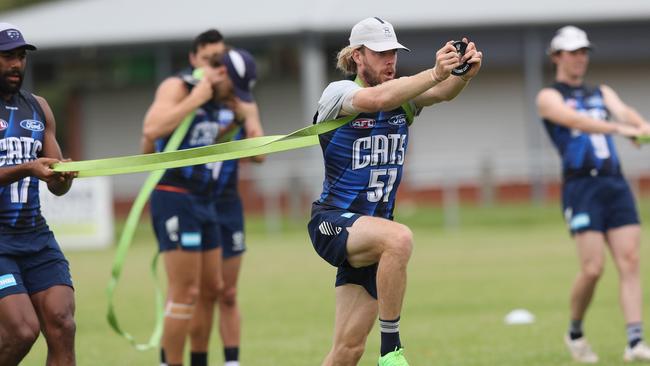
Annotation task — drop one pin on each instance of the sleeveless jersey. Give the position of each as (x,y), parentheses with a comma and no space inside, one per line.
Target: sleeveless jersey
(225,187)
(364,161)
(584,154)
(203,131)
(22,128)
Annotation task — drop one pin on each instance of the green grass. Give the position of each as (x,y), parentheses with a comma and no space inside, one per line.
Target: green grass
(461,284)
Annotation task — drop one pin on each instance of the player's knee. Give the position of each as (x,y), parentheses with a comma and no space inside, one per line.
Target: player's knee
(630,261)
(400,242)
(187,295)
(22,335)
(212,291)
(592,271)
(62,323)
(229,297)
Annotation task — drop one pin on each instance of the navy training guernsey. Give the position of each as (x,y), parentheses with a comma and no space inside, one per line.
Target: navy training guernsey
(225,187)
(22,129)
(584,154)
(203,131)
(364,158)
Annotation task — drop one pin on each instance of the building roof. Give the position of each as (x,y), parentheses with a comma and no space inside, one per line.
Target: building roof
(75,23)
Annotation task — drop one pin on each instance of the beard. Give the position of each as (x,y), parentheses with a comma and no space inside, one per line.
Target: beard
(370,77)
(374,78)
(9,87)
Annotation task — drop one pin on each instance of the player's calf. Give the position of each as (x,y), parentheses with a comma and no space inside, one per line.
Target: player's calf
(346,353)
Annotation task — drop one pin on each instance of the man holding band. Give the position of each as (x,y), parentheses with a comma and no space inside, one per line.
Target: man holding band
(352,225)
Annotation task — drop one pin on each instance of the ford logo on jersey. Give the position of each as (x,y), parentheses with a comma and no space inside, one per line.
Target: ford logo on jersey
(398,120)
(363,123)
(3,124)
(32,125)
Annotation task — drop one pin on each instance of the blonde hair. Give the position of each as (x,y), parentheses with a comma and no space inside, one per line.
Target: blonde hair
(345,62)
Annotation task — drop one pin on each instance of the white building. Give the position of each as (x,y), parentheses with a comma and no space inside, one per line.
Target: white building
(99,62)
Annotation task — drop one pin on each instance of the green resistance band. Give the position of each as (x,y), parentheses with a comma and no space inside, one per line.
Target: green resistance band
(643,139)
(171,158)
(125,241)
(201,155)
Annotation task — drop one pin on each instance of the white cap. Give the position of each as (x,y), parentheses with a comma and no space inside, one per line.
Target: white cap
(376,34)
(569,38)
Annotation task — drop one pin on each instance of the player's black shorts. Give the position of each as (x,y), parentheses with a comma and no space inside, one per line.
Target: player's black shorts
(598,203)
(37,267)
(231,227)
(328,233)
(184,221)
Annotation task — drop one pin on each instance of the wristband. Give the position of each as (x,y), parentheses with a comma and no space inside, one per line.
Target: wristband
(434,76)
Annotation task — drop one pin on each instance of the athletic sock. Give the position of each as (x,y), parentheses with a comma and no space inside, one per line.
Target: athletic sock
(163,361)
(575,329)
(389,336)
(231,354)
(634,334)
(199,359)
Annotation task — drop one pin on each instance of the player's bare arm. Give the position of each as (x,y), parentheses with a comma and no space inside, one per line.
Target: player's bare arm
(452,86)
(40,168)
(622,112)
(173,102)
(551,106)
(393,93)
(250,114)
(57,183)
(147,146)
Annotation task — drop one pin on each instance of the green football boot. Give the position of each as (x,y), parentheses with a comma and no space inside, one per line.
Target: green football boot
(395,358)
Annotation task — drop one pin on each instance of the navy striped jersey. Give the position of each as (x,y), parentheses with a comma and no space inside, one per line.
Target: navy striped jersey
(225,188)
(203,131)
(582,153)
(364,158)
(22,128)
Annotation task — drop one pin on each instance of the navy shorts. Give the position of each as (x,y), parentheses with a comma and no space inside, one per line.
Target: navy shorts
(328,233)
(184,221)
(598,204)
(231,227)
(38,267)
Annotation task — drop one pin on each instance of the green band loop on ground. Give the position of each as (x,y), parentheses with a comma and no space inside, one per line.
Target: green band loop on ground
(124,243)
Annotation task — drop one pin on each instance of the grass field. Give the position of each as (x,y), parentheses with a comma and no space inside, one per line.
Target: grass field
(461,285)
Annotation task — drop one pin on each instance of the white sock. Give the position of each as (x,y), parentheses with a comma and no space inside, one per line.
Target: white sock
(231,363)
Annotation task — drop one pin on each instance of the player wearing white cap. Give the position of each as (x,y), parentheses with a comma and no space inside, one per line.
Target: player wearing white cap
(351,225)
(597,202)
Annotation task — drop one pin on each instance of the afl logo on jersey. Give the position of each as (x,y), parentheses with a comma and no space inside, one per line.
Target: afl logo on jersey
(32,125)
(398,120)
(3,124)
(363,123)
